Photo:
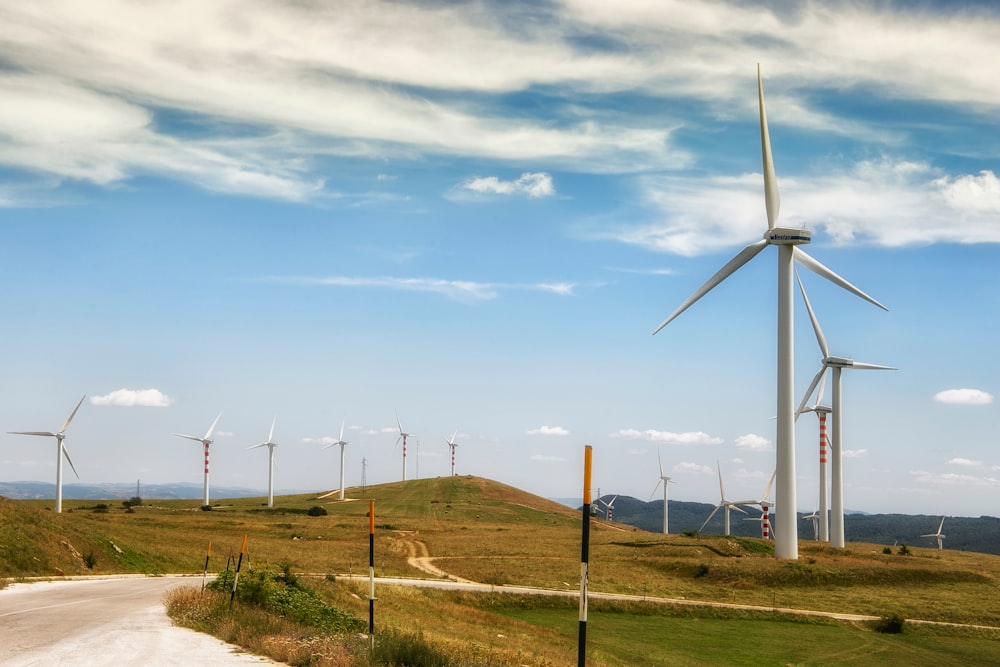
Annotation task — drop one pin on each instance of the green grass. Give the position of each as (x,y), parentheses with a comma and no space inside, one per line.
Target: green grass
(488,532)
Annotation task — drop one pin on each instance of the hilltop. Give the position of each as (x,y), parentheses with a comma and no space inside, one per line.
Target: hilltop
(477,529)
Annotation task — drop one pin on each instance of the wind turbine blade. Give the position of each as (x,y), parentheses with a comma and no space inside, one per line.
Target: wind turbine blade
(72,414)
(860,365)
(812,387)
(398,423)
(256,446)
(822,386)
(767,491)
(820,338)
(741,258)
(189,437)
(738,508)
(772,201)
(805,260)
(655,488)
(68,459)
(270,436)
(722,490)
(211,428)
(341,438)
(659,462)
(52,435)
(941,525)
(709,518)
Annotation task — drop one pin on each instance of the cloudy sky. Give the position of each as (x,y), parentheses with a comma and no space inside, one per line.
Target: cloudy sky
(475,214)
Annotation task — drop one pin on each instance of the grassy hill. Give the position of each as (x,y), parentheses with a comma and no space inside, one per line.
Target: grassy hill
(485,531)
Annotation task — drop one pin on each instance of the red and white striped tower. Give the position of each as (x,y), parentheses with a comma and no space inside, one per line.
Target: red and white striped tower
(404,457)
(824,515)
(205,499)
(453,459)
(765,521)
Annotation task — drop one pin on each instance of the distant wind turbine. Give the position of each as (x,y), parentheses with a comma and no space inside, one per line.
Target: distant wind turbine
(765,506)
(270,444)
(452,445)
(938,535)
(205,441)
(723,503)
(342,443)
(61,451)
(665,481)
(403,435)
(823,510)
(814,517)
(608,507)
(837,364)
(787,240)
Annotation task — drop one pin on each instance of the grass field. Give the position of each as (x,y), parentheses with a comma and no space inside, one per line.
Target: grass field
(485,531)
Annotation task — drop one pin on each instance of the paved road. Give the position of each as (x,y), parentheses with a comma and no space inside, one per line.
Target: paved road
(103,622)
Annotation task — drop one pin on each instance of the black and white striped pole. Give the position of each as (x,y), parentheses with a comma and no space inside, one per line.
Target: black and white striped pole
(204,576)
(584,558)
(371,572)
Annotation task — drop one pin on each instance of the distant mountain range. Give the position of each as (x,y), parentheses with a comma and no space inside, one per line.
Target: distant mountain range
(112,491)
(980,534)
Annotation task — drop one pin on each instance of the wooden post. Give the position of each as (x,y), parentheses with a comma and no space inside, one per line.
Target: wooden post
(584,558)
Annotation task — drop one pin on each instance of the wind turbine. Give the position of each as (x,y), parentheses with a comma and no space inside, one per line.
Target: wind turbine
(608,507)
(765,506)
(452,445)
(723,503)
(342,443)
(61,451)
(403,435)
(787,240)
(665,481)
(814,517)
(270,444)
(838,364)
(205,441)
(823,517)
(938,535)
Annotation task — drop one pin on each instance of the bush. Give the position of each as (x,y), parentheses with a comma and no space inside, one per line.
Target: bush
(206,508)
(398,648)
(316,510)
(887,550)
(903,550)
(101,508)
(700,571)
(890,625)
(90,560)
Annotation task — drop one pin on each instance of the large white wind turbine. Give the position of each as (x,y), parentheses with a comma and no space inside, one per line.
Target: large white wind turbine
(786,239)
(270,444)
(665,481)
(403,435)
(939,535)
(452,445)
(723,504)
(205,441)
(838,364)
(61,451)
(342,443)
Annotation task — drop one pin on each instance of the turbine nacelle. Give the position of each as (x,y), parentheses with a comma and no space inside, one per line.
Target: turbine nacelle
(787,236)
(838,362)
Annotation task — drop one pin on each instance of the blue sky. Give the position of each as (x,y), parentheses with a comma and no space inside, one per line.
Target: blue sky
(475,214)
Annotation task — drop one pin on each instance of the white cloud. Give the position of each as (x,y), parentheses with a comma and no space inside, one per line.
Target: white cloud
(544,457)
(322,440)
(533,185)
(964,397)
(965,462)
(690,438)
(753,442)
(548,430)
(953,479)
(459,290)
(855,453)
(128,398)
(693,468)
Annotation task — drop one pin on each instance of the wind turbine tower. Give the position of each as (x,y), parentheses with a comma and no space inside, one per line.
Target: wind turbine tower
(822,515)
(838,364)
(205,441)
(403,435)
(452,445)
(61,451)
(787,241)
(665,481)
(270,444)
(723,503)
(342,443)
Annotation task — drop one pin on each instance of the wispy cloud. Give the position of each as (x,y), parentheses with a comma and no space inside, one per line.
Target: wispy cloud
(855,453)
(964,397)
(693,468)
(548,430)
(128,398)
(965,462)
(755,443)
(667,437)
(534,185)
(953,479)
(459,290)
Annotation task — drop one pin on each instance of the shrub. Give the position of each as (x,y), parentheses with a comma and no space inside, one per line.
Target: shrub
(701,570)
(90,560)
(206,508)
(887,550)
(890,625)
(903,550)
(399,648)
(316,510)
(101,508)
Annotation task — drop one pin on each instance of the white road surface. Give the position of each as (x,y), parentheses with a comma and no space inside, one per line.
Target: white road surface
(100,622)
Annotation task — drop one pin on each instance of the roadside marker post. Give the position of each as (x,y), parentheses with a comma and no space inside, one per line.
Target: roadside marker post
(239,563)
(204,576)
(584,558)
(371,572)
